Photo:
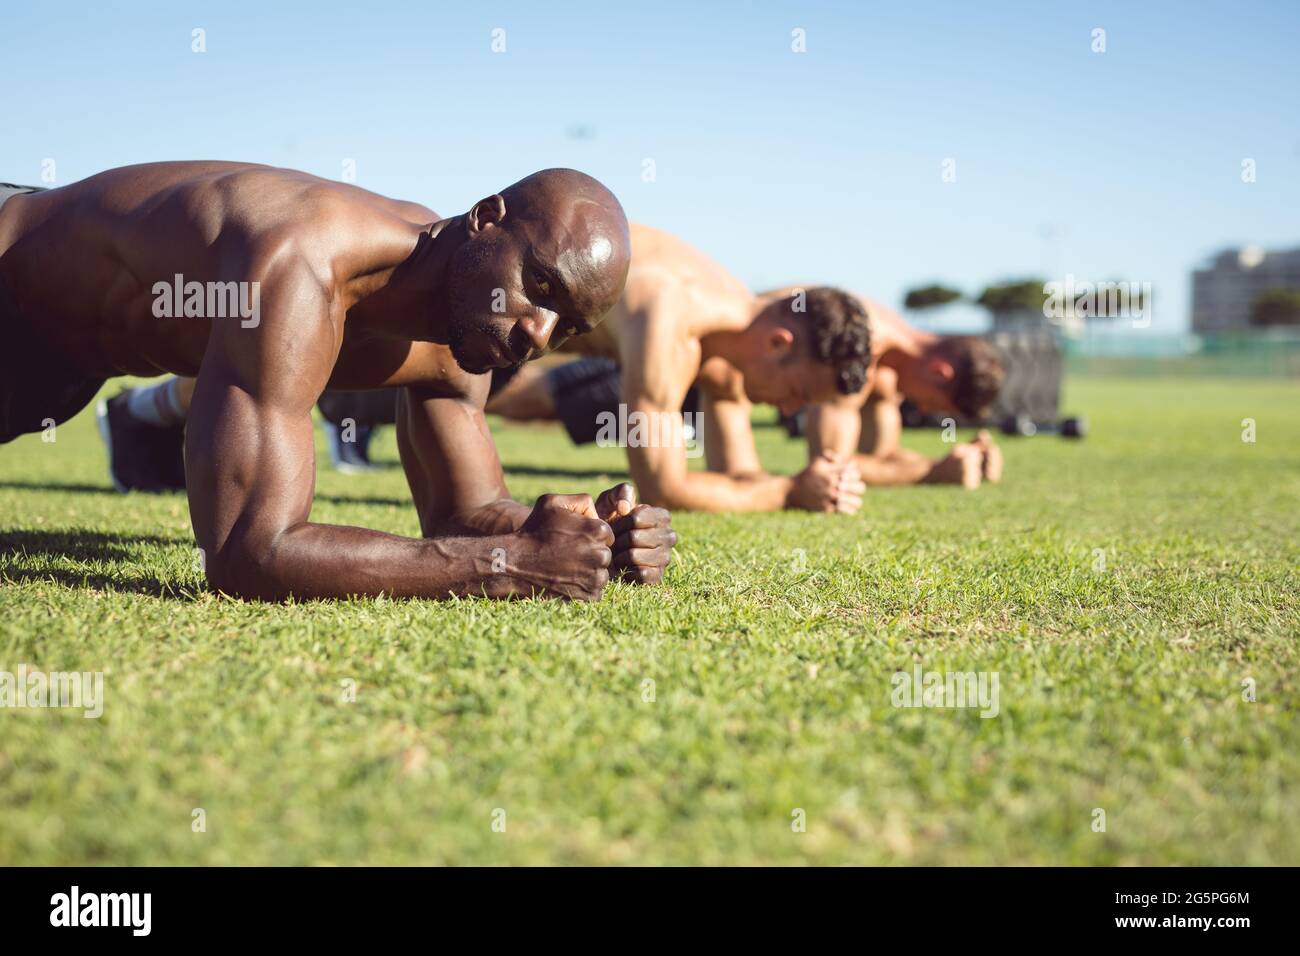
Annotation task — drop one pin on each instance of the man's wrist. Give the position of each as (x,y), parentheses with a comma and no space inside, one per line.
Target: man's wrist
(790,488)
(503,516)
(479,566)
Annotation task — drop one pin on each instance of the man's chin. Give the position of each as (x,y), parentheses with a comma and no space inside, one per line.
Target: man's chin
(467,362)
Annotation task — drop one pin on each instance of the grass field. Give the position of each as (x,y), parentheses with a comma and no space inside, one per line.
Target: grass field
(771,647)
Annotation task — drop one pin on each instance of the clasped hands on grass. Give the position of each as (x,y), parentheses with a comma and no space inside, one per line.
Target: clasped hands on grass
(571,545)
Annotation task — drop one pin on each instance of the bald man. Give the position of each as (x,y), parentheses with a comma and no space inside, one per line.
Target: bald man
(270,285)
(684,321)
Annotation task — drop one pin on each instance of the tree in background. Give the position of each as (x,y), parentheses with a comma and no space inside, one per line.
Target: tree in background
(1277,306)
(930,296)
(1025,299)
(1021,299)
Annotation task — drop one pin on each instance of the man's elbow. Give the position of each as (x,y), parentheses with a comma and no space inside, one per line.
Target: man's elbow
(661,494)
(243,569)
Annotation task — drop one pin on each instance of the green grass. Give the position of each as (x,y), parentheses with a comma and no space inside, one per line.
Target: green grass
(1119,689)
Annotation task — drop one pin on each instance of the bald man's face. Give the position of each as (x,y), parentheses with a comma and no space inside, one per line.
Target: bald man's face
(521,287)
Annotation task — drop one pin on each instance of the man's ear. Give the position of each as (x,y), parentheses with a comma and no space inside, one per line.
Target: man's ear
(780,340)
(940,369)
(486,212)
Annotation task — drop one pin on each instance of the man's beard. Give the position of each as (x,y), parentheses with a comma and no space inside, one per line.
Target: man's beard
(460,350)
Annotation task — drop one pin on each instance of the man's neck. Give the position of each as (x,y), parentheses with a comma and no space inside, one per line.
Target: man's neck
(730,334)
(400,300)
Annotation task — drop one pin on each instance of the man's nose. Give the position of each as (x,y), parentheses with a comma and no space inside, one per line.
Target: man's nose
(538,327)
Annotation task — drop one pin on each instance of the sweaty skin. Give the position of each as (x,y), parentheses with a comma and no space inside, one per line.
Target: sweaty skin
(683,320)
(871,423)
(356,291)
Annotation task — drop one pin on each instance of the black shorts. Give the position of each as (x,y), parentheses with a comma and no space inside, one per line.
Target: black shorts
(38,387)
(583,390)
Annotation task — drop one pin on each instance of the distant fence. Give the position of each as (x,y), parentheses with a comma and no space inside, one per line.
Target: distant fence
(1271,353)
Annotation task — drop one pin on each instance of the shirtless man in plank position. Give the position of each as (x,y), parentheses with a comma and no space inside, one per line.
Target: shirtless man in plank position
(940,374)
(684,326)
(682,321)
(349,289)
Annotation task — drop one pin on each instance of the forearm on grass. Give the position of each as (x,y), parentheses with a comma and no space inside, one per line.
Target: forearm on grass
(328,561)
(900,467)
(708,491)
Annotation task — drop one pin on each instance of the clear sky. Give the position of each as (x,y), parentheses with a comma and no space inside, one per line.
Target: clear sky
(821,166)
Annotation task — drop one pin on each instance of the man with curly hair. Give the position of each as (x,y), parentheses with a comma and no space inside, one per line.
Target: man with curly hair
(685,325)
(941,374)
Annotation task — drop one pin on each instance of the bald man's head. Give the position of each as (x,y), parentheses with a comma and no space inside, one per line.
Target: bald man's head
(544,259)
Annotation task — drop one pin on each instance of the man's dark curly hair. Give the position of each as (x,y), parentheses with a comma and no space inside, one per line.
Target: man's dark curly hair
(977,373)
(838,333)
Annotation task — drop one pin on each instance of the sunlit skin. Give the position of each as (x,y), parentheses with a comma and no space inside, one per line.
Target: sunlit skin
(684,320)
(356,291)
(869,425)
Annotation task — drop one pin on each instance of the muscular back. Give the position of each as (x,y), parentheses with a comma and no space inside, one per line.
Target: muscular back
(84,259)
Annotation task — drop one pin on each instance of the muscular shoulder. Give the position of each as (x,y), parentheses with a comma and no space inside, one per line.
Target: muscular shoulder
(661,259)
(338,230)
(287,201)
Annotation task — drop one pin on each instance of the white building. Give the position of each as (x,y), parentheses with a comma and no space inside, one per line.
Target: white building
(1224,290)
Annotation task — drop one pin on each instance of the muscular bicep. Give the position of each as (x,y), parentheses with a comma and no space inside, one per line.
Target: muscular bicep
(657,463)
(658,368)
(654,385)
(834,426)
(656,449)
(447,450)
(250,464)
(729,437)
(882,427)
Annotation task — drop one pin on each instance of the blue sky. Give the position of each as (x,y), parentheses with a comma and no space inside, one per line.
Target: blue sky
(821,166)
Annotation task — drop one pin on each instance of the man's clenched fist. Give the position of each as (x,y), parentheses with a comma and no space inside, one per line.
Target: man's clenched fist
(564,549)
(643,535)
